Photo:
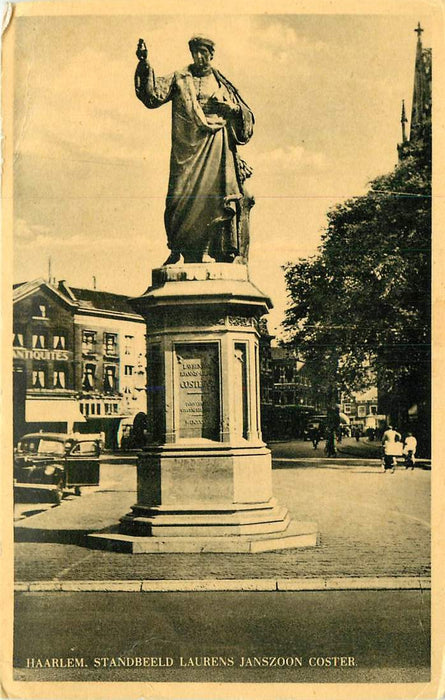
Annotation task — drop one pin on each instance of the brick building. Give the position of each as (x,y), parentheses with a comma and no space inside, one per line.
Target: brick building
(78,360)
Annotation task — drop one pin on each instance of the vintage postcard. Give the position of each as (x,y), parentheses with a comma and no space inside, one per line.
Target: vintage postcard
(220,470)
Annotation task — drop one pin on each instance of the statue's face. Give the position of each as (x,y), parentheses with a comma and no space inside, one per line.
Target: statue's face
(201,57)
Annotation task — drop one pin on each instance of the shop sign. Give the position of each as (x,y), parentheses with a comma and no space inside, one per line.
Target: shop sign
(38,354)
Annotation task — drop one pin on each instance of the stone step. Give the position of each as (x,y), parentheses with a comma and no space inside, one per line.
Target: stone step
(203,508)
(296,535)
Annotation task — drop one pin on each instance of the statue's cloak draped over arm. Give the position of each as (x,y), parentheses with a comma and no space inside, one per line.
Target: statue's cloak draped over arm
(205,186)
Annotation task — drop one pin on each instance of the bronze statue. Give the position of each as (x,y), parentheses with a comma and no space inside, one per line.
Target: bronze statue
(207,207)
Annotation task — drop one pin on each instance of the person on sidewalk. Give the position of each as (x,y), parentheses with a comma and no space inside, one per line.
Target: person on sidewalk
(391,447)
(409,451)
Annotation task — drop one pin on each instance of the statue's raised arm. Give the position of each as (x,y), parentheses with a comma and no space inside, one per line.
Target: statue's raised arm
(207,209)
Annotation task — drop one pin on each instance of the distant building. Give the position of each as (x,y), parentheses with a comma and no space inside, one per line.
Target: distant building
(291,386)
(362,409)
(78,360)
(288,399)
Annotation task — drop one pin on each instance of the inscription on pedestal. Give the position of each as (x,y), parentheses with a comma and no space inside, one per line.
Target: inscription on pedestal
(198,390)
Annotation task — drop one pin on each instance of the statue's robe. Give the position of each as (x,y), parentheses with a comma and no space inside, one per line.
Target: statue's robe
(206,205)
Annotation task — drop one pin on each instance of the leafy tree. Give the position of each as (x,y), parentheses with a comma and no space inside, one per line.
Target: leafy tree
(359,310)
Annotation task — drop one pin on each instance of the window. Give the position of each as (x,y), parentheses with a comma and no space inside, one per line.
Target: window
(39,341)
(128,371)
(347,408)
(38,378)
(59,379)
(40,309)
(51,447)
(88,341)
(109,378)
(59,342)
(373,410)
(89,373)
(128,344)
(85,448)
(18,341)
(361,411)
(110,343)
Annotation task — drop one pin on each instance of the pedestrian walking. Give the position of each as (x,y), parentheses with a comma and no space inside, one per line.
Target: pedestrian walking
(409,451)
(391,444)
(315,436)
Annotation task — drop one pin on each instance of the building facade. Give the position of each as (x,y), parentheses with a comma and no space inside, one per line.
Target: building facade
(362,409)
(78,361)
(288,398)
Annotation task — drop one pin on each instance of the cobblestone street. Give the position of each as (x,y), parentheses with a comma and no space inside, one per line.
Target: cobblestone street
(371,524)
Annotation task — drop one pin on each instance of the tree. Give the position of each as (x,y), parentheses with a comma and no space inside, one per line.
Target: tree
(360,310)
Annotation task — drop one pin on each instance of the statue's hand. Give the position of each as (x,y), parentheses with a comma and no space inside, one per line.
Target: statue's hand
(141,51)
(225,108)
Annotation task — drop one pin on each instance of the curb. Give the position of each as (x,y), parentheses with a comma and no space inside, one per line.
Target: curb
(195,585)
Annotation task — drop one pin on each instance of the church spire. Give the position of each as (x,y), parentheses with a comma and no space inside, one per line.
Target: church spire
(422,86)
(421,104)
(403,121)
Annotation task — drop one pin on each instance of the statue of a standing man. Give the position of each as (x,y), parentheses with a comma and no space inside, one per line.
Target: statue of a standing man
(207,208)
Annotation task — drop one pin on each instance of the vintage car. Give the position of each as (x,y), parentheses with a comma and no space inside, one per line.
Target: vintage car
(315,424)
(57,462)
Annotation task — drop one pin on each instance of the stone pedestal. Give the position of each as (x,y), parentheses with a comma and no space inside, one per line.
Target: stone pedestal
(204,481)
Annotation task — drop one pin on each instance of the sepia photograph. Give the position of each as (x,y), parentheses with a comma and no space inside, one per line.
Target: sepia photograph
(217,423)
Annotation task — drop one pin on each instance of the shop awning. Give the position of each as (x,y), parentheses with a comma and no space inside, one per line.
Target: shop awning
(53,411)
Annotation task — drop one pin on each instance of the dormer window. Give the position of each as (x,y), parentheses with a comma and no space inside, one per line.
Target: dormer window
(40,309)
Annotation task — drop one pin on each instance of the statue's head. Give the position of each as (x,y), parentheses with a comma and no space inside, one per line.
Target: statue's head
(202,49)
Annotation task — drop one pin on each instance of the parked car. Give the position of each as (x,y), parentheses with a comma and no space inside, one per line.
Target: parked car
(57,462)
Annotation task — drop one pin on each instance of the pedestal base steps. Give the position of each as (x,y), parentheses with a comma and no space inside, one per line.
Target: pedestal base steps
(296,535)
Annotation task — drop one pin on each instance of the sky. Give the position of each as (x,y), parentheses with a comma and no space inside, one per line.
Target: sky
(91,162)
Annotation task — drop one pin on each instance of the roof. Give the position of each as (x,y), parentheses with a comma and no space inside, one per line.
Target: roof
(87,300)
(103,301)
(24,289)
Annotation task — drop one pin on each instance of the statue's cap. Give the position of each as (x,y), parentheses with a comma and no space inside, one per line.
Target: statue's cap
(200,40)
